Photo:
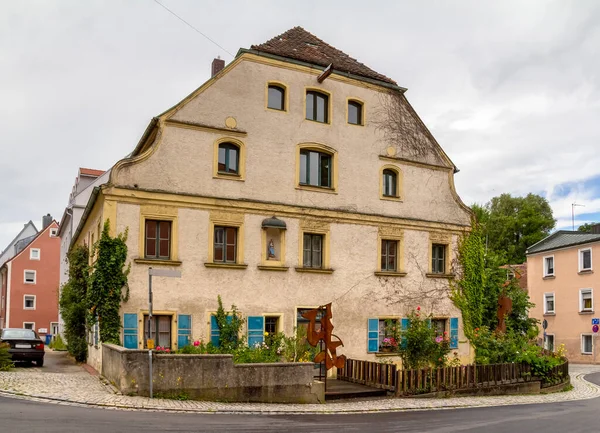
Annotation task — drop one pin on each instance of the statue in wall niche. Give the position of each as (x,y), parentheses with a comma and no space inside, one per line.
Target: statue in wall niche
(271,250)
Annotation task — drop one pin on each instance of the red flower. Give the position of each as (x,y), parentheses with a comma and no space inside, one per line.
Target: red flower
(418,308)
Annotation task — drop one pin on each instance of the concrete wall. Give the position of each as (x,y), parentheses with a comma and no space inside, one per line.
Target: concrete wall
(568,323)
(210,377)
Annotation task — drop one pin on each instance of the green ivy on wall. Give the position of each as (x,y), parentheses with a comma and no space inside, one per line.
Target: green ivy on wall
(108,285)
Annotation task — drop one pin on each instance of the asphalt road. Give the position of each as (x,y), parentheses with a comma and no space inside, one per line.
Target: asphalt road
(572,417)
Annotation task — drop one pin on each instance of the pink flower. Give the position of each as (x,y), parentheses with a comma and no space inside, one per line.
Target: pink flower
(439,339)
(197,343)
(158,348)
(418,308)
(167,350)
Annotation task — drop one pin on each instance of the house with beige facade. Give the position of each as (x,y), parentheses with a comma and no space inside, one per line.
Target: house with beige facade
(563,279)
(294,177)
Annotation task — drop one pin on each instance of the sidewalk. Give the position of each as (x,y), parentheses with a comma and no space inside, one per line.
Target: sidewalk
(83,389)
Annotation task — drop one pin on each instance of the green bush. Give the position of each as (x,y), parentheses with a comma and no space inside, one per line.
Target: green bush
(5,358)
(57,343)
(419,346)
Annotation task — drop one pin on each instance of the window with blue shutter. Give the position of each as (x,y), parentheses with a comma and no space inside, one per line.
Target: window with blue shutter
(256,326)
(214,331)
(454,333)
(373,335)
(184,330)
(130,331)
(404,327)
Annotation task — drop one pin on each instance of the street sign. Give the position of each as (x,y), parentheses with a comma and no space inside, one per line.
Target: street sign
(595,321)
(164,273)
(595,328)
(150,343)
(545,324)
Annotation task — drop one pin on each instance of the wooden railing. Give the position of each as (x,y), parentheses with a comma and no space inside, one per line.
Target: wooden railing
(369,373)
(422,381)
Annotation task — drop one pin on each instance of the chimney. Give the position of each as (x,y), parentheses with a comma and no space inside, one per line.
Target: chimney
(46,221)
(596,229)
(217,66)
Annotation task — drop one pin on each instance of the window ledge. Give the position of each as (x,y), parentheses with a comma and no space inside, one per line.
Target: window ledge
(226,265)
(549,277)
(586,353)
(549,314)
(228,176)
(273,268)
(157,262)
(385,355)
(314,270)
(433,275)
(390,274)
(390,198)
(320,123)
(586,312)
(316,189)
(277,110)
(585,271)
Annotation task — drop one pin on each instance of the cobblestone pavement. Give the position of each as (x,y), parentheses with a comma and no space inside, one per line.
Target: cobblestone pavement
(83,389)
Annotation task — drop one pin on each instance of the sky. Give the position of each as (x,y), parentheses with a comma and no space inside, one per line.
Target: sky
(510,89)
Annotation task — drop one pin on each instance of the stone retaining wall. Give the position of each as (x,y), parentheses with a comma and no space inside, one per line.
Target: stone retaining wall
(210,377)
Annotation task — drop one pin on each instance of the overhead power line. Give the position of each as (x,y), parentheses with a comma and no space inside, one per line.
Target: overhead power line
(191,26)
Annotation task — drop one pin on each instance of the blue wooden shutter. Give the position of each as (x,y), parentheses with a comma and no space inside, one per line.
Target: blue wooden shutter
(184,330)
(404,326)
(256,327)
(454,333)
(214,331)
(130,331)
(373,335)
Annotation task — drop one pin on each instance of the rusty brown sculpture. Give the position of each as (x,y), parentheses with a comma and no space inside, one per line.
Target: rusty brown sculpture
(504,309)
(324,334)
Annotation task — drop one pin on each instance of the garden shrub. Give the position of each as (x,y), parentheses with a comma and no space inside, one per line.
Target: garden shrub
(5,358)
(419,346)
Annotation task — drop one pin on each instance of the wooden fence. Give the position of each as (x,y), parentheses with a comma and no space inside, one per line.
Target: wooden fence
(422,381)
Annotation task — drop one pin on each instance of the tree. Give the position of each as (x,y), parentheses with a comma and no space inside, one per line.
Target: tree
(586,228)
(73,302)
(511,224)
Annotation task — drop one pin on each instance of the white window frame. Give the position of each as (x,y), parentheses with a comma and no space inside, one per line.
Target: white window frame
(546,304)
(39,254)
(581,309)
(29,323)
(546,341)
(580,254)
(582,345)
(546,274)
(34,276)
(53,232)
(34,302)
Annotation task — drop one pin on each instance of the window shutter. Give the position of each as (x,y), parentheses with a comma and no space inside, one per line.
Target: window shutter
(404,323)
(214,331)
(454,333)
(130,331)
(256,326)
(184,330)
(373,335)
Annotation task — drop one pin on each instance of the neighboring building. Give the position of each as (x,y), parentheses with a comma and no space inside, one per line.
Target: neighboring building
(30,283)
(562,275)
(277,187)
(85,182)
(24,237)
(518,272)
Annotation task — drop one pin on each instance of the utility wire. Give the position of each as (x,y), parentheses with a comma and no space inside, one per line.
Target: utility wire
(191,26)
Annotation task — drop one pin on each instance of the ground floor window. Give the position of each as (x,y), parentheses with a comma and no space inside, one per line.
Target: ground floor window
(271,324)
(587,344)
(161,331)
(440,326)
(29,325)
(549,342)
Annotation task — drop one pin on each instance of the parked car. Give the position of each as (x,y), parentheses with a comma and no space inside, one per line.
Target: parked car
(25,345)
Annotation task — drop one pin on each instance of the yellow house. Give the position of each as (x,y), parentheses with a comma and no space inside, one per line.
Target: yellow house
(296,176)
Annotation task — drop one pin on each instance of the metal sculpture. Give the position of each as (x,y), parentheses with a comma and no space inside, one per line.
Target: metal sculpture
(324,334)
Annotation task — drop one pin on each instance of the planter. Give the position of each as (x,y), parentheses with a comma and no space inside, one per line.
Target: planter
(386,349)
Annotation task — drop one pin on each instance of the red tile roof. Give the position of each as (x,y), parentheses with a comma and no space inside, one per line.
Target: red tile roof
(298,44)
(90,172)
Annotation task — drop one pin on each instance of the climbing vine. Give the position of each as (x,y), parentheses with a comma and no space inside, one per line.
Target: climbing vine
(468,289)
(73,302)
(108,285)
(229,325)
